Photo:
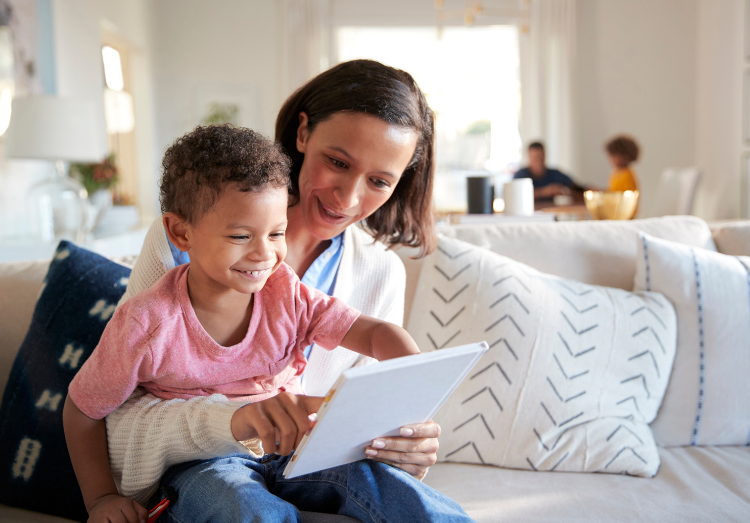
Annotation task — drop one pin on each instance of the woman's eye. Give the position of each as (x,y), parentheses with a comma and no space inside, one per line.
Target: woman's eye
(338,163)
(380,184)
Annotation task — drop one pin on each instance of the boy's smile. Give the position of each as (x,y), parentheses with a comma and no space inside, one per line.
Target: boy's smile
(239,242)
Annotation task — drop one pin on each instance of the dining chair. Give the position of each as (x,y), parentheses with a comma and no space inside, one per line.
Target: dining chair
(676,192)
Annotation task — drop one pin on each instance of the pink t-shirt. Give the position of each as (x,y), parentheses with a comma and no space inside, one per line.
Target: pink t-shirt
(155,341)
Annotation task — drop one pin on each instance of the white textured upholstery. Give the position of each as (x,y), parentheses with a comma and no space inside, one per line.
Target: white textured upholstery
(708,399)
(733,238)
(574,373)
(694,484)
(595,252)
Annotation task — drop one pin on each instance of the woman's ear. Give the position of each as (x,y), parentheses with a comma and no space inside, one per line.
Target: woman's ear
(302,132)
(177,230)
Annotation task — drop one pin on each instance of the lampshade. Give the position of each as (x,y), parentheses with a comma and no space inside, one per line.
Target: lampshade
(52,128)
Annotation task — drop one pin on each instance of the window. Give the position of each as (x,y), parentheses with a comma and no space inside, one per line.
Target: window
(470,76)
(119,116)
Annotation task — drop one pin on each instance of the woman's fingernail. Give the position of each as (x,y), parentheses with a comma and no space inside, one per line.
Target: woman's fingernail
(406,431)
(378,444)
(369,452)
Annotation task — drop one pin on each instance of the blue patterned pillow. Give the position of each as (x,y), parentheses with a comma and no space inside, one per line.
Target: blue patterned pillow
(78,297)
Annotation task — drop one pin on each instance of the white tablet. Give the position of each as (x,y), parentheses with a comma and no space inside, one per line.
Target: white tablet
(377,400)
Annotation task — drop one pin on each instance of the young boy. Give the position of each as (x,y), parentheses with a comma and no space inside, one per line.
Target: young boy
(622,151)
(233,321)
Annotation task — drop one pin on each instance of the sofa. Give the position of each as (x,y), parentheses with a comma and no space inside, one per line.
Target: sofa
(710,483)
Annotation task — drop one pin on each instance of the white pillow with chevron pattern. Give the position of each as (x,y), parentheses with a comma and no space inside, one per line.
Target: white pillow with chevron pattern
(574,373)
(708,399)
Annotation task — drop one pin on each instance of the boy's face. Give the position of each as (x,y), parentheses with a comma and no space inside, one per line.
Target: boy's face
(240,241)
(618,161)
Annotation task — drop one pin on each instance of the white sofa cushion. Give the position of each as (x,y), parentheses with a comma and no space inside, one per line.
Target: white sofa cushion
(733,238)
(708,399)
(595,252)
(573,375)
(694,484)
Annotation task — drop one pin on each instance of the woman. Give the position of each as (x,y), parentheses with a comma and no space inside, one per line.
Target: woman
(361,140)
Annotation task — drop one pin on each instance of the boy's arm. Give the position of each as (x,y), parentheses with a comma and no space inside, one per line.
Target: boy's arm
(87,446)
(378,339)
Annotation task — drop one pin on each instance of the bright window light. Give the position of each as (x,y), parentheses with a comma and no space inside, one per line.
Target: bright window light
(112,68)
(470,77)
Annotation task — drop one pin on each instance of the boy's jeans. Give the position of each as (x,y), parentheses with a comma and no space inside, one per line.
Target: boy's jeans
(239,488)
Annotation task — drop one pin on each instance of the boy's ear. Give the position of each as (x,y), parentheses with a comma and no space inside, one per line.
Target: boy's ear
(302,132)
(177,230)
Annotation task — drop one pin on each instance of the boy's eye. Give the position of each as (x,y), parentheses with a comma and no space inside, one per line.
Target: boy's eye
(243,237)
(277,235)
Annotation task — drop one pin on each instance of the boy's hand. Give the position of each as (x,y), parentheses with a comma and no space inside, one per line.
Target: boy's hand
(117,509)
(283,419)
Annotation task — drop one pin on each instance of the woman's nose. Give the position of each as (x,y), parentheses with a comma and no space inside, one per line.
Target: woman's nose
(348,192)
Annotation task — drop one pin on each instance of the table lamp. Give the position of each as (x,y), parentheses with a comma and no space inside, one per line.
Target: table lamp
(58,130)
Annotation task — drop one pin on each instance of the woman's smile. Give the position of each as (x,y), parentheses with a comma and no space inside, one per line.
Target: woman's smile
(330,216)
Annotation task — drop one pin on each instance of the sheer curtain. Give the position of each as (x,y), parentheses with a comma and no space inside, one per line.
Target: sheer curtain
(306,40)
(547,51)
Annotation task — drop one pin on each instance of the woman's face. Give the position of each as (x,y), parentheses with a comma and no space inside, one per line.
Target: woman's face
(352,164)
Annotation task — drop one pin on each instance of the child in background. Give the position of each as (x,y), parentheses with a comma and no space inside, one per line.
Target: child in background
(622,151)
(234,321)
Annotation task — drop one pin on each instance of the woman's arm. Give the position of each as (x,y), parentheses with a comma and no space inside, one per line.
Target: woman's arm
(154,261)
(161,433)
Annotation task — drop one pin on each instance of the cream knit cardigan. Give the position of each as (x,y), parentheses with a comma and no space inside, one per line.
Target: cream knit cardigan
(147,435)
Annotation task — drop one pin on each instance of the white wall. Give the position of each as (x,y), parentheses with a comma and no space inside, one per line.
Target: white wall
(78,26)
(718,129)
(219,50)
(636,75)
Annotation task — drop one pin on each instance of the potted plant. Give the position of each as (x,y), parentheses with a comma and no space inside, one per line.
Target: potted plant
(98,179)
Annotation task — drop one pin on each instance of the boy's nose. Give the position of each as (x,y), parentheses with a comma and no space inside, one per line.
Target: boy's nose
(262,251)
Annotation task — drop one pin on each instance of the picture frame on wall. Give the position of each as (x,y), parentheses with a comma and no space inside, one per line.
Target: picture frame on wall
(746,106)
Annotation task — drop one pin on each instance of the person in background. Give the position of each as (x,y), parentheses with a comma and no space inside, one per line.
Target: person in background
(548,183)
(622,151)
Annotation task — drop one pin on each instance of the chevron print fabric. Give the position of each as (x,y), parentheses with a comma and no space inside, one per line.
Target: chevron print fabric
(574,373)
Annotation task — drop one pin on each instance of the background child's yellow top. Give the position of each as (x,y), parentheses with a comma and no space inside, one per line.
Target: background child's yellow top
(623,180)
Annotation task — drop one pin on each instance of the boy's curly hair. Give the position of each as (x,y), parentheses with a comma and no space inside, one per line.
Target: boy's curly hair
(197,166)
(623,146)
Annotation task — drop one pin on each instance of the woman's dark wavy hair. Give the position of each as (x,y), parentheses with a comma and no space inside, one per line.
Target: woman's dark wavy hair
(198,165)
(366,86)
